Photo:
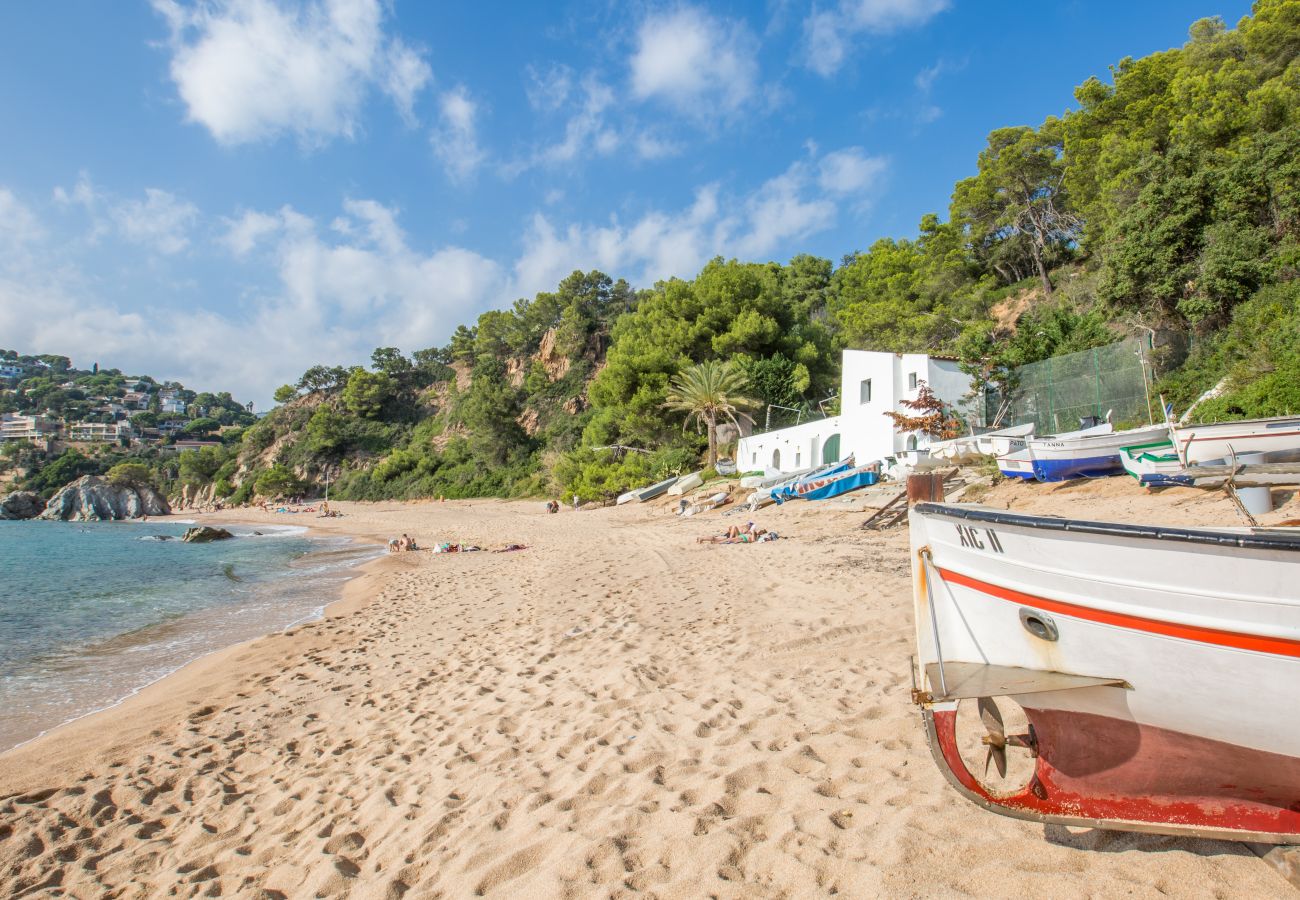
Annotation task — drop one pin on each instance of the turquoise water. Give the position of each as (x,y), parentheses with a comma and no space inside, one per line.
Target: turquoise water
(92,612)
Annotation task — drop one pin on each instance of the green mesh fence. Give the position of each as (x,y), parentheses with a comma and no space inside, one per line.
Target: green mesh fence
(1056,394)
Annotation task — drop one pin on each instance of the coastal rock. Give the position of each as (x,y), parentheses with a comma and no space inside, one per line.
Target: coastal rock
(202,534)
(21,505)
(91,498)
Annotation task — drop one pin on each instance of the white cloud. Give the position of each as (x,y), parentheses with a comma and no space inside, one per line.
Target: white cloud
(407,74)
(803,200)
(694,62)
(326,300)
(248,70)
(849,171)
(160,222)
(244,234)
(828,32)
(549,89)
(18,225)
(455,141)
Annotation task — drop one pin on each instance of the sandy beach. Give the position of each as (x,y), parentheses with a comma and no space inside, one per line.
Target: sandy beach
(615,711)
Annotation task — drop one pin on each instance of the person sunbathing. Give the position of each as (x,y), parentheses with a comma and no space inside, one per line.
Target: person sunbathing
(734,535)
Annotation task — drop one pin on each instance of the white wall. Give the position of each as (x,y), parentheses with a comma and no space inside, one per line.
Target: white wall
(865,431)
(798,447)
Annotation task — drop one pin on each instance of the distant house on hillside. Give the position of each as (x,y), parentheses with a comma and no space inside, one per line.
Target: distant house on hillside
(17,427)
(135,400)
(98,431)
(170,402)
(872,383)
(11,370)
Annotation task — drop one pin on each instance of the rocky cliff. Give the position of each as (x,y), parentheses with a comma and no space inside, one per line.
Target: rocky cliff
(21,505)
(92,498)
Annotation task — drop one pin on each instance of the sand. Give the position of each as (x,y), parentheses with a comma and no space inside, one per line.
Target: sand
(615,711)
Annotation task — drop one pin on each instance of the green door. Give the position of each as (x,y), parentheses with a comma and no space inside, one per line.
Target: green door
(831,452)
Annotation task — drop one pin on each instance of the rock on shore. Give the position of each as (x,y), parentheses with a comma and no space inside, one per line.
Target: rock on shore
(21,505)
(91,498)
(202,534)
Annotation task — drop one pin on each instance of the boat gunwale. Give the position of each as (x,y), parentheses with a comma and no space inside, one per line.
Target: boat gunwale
(1115,529)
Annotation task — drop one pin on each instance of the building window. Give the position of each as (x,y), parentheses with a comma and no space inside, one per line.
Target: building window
(754,460)
(864,391)
(911,381)
(798,458)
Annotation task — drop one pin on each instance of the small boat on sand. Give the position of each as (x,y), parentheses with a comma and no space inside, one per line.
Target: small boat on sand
(1017,464)
(1106,675)
(641,495)
(1154,464)
(1004,440)
(832,485)
(686,483)
(1202,443)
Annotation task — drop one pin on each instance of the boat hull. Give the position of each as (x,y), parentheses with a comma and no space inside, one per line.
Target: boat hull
(1202,629)
(1018,464)
(1203,443)
(1086,455)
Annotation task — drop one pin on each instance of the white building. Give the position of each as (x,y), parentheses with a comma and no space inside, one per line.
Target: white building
(98,431)
(16,427)
(872,383)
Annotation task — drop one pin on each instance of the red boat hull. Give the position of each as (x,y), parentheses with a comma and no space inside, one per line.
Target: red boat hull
(1110,773)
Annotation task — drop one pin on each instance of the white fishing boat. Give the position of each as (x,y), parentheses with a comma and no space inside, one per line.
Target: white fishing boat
(686,483)
(1110,675)
(1202,443)
(956,450)
(1017,464)
(1087,453)
(1004,440)
(640,495)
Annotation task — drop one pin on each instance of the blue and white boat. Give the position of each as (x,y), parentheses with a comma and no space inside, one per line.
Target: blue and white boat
(799,486)
(1087,453)
(1017,464)
(843,483)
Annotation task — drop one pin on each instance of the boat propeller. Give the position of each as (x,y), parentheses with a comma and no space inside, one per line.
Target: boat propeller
(997,740)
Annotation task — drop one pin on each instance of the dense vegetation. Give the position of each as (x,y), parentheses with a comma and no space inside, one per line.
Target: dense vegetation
(1167,202)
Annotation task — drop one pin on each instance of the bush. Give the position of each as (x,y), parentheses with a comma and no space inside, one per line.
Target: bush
(278,481)
(130,474)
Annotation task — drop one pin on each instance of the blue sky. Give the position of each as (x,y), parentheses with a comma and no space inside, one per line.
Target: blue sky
(226,192)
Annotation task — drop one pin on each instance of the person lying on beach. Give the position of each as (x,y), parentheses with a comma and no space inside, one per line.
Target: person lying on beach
(731,534)
(745,537)
(511,548)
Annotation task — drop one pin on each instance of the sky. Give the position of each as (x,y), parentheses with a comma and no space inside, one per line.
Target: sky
(226,192)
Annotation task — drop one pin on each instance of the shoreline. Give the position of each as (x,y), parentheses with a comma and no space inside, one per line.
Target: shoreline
(616,709)
(160,684)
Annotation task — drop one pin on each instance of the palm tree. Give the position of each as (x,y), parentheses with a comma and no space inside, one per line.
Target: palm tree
(709,391)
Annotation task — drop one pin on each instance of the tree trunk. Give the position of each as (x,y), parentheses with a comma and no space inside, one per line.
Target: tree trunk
(713,440)
(1042,271)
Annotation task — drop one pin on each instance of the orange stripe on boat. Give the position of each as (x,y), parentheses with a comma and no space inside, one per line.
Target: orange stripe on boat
(1217,636)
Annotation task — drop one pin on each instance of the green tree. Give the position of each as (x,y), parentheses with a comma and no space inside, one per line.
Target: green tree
(278,481)
(285,393)
(130,474)
(707,392)
(367,393)
(1018,201)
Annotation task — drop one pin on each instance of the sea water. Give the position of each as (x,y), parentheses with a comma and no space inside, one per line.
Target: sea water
(92,612)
